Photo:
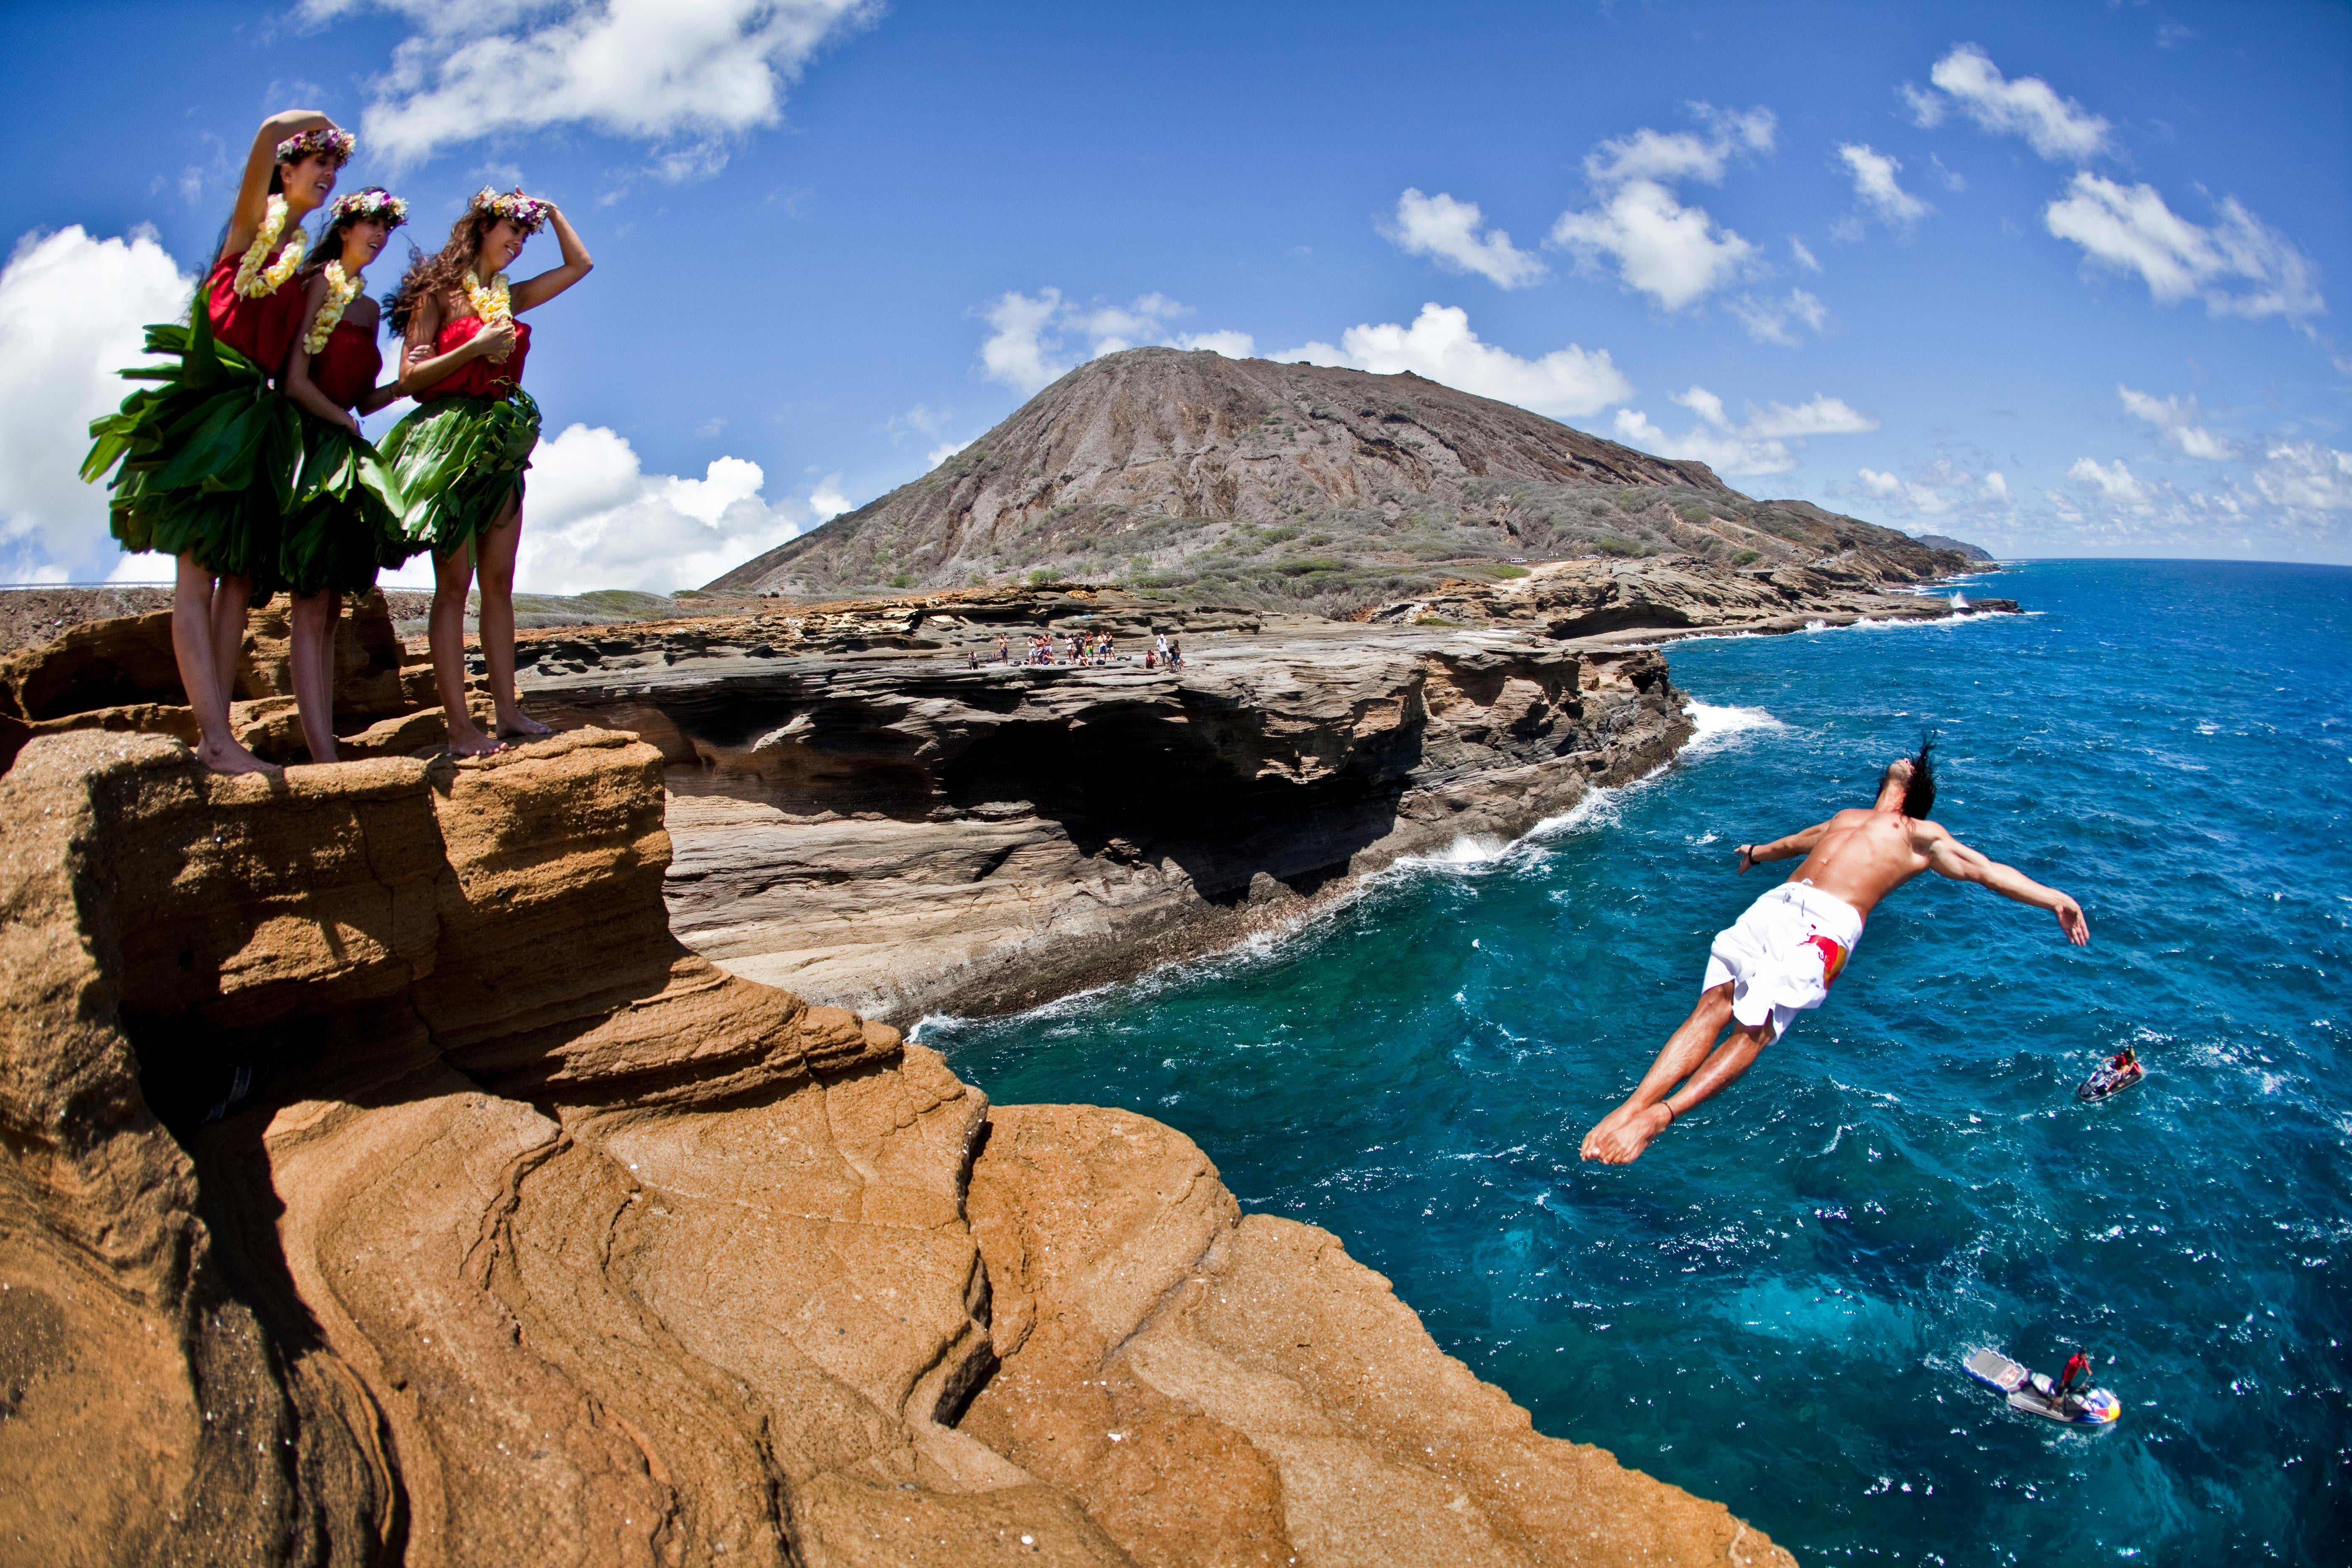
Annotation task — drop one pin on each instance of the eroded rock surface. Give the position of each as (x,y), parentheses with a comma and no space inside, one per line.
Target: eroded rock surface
(383,1183)
(864,815)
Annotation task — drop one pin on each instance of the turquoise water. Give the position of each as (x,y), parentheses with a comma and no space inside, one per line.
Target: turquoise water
(1771,1307)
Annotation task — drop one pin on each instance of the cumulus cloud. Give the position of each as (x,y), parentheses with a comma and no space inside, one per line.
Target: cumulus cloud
(1453,234)
(1674,253)
(686,75)
(1441,345)
(2238,266)
(71,307)
(2060,128)
(595,518)
(1874,185)
(1776,320)
(2115,481)
(1029,341)
(2177,420)
(1903,494)
(2303,476)
(1996,487)
(1756,445)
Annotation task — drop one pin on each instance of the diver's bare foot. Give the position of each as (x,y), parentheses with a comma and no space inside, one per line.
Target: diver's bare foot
(522,726)
(1608,1123)
(229,757)
(1621,1144)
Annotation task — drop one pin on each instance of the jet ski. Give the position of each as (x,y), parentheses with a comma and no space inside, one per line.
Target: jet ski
(2031,1392)
(2117,1073)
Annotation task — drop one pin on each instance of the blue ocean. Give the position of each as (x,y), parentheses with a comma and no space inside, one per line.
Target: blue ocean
(1772,1306)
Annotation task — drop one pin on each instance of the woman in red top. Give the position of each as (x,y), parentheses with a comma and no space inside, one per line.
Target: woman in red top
(343,526)
(208,457)
(459,457)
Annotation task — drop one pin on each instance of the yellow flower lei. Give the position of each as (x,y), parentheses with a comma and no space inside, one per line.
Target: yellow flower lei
(256,281)
(341,292)
(491,304)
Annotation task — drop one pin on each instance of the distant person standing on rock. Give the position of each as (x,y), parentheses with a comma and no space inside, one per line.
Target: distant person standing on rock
(460,456)
(210,452)
(1781,956)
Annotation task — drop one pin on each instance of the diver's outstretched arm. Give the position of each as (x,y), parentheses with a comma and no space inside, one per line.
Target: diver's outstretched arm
(1792,847)
(1947,857)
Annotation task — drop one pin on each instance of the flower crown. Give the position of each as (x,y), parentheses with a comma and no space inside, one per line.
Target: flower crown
(527,212)
(374,202)
(335,144)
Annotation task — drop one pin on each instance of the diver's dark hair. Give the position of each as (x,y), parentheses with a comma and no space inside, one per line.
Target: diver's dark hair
(1919,794)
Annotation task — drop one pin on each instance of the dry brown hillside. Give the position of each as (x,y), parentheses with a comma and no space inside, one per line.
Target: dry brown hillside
(1251,482)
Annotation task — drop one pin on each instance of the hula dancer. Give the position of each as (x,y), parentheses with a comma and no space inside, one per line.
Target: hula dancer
(342,527)
(208,455)
(459,457)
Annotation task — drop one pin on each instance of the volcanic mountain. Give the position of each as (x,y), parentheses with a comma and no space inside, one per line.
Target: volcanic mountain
(1199,478)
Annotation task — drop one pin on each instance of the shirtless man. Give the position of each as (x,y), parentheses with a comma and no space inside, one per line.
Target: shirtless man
(1779,957)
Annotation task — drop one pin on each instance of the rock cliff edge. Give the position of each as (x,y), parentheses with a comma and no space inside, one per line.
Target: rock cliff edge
(382,1182)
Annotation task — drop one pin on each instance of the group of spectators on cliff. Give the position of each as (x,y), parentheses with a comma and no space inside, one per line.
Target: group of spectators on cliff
(1086,650)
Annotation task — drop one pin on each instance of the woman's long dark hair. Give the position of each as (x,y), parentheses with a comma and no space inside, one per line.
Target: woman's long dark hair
(428,276)
(328,246)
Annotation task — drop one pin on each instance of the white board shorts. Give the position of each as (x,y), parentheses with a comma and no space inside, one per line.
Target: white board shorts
(1783,954)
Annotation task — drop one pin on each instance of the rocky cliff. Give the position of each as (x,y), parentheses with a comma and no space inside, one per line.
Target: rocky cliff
(1251,482)
(381,1181)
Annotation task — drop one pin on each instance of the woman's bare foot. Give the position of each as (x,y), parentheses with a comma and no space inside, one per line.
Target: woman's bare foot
(1622,1134)
(229,757)
(521,726)
(469,741)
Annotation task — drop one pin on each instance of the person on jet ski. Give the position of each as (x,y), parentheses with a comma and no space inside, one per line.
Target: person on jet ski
(2077,1366)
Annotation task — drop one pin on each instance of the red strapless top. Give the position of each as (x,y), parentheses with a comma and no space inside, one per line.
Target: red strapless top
(261,330)
(346,369)
(480,377)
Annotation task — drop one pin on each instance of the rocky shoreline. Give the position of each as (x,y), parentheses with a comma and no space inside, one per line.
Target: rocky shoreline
(387,1181)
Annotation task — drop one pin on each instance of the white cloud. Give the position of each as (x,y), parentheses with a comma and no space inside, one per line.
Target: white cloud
(2305,477)
(1759,445)
(2238,266)
(1874,185)
(594,518)
(1025,351)
(1230,344)
(1996,487)
(1821,417)
(1018,353)
(688,74)
(1904,495)
(2117,483)
(1664,157)
(826,500)
(1452,233)
(942,452)
(1776,320)
(1441,345)
(2177,420)
(71,307)
(1804,256)
(2060,128)
(1674,254)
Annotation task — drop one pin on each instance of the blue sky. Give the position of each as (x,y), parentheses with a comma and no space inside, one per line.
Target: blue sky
(1870,256)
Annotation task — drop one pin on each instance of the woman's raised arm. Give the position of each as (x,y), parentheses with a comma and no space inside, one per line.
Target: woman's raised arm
(253,191)
(577,264)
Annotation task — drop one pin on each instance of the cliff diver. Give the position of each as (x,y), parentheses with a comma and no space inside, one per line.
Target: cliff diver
(1779,957)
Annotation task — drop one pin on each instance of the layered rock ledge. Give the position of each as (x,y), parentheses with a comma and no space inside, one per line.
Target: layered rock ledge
(864,814)
(382,1182)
